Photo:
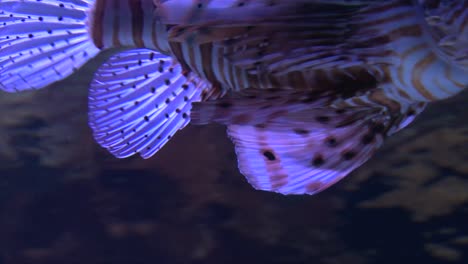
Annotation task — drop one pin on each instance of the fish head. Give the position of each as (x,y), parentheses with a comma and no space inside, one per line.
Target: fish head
(447,23)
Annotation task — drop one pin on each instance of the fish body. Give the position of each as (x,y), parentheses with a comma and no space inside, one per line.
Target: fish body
(309,90)
(422,52)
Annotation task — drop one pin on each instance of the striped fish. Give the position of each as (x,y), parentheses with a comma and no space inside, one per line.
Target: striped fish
(309,89)
(419,48)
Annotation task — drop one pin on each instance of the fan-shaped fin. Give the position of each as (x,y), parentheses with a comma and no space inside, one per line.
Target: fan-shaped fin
(42,42)
(139,99)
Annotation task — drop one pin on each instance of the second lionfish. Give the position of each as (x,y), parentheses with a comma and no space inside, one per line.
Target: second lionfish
(309,90)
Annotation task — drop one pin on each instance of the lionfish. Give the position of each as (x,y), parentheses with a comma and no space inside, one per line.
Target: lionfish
(309,89)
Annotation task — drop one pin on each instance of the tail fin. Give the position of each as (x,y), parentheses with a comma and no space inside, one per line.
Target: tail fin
(42,42)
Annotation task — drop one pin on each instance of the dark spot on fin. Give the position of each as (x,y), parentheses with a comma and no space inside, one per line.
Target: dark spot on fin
(348,155)
(323,119)
(269,155)
(318,160)
(331,142)
(301,131)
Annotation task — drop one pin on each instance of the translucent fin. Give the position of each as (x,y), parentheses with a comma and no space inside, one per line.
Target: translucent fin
(294,142)
(139,99)
(42,42)
(410,113)
(309,151)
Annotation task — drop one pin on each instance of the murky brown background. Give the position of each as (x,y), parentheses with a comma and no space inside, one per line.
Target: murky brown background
(63,199)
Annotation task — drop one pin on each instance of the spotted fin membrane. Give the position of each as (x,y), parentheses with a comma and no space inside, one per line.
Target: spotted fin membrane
(297,143)
(139,99)
(42,42)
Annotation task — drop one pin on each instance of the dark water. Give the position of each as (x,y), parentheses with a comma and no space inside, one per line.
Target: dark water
(65,200)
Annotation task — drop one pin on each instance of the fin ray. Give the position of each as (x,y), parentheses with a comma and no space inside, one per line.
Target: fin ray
(296,142)
(42,42)
(139,99)
(300,159)
(292,157)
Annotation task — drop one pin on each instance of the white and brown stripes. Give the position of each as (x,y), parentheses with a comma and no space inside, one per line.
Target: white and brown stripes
(209,62)
(415,67)
(391,35)
(127,23)
(454,15)
(399,47)
(448,24)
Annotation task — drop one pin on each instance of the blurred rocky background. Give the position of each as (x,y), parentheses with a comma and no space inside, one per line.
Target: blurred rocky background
(63,199)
